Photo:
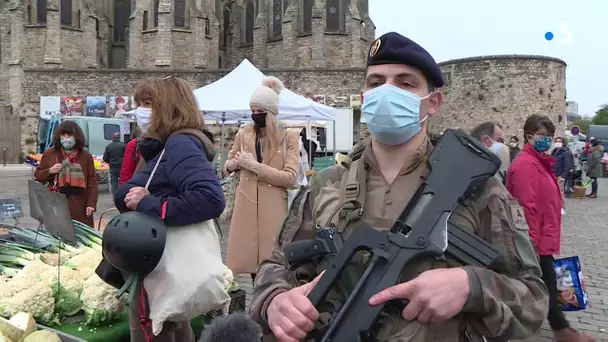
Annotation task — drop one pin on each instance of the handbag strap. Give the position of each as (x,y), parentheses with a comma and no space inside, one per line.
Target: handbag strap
(163,208)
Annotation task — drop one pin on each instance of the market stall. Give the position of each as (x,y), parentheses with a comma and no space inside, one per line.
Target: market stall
(240,83)
(53,284)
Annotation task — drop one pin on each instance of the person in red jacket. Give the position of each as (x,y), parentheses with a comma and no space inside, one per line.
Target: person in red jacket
(143,100)
(531,181)
(130,160)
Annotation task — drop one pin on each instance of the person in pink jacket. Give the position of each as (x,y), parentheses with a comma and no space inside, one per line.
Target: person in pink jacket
(531,181)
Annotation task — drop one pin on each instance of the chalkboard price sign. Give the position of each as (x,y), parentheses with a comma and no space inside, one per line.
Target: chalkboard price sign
(10,208)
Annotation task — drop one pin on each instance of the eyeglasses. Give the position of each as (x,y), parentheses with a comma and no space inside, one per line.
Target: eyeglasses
(168,77)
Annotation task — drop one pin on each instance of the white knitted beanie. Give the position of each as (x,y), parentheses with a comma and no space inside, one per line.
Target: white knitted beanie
(267,96)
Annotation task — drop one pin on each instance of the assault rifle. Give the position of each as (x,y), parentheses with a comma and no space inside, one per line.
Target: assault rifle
(459,166)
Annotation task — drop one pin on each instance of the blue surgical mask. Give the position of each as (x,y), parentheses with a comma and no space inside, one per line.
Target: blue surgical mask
(542,144)
(496,146)
(392,114)
(143,117)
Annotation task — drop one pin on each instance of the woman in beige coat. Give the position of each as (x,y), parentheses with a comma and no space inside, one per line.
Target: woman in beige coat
(268,157)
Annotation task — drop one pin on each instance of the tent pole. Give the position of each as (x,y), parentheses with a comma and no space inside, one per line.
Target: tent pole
(222,149)
(334,126)
(309,134)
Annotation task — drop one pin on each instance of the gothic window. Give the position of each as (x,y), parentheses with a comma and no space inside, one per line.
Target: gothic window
(257,8)
(29,14)
(277,18)
(66,12)
(226,24)
(146,14)
(285,5)
(334,15)
(122,11)
(156,2)
(78,19)
(41,11)
(207,27)
(179,13)
(307,6)
(219,62)
(249,20)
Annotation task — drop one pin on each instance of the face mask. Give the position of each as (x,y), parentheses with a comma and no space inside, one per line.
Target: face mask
(143,115)
(559,145)
(542,144)
(259,119)
(513,144)
(392,114)
(496,146)
(67,143)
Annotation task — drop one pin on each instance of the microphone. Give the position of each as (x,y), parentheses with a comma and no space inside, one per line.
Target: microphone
(236,327)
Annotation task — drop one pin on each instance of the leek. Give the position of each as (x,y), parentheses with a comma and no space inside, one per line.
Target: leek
(8,270)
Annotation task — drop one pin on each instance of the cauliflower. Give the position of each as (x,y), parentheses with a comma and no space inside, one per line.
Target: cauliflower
(33,270)
(36,300)
(69,278)
(85,262)
(87,259)
(228,278)
(99,301)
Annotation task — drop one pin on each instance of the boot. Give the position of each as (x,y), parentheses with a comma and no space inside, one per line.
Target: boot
(592,196)
(571,335)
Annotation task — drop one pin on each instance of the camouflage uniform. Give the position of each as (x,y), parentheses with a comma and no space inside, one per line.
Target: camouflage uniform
(511,303)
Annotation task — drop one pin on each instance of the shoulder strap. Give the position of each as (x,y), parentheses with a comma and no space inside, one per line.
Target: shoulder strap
(352,193)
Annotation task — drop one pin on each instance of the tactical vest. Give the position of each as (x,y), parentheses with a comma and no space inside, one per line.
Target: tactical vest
(349,211)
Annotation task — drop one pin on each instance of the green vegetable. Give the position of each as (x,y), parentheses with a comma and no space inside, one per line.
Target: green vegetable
(87,235)
(67,303)
(101,317)
(7,270)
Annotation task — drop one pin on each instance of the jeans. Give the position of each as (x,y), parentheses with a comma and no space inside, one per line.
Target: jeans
(114,181)
(569,183)
(593,185)
(556,317)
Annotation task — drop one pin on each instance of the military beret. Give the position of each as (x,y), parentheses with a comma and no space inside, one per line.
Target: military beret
(393,48)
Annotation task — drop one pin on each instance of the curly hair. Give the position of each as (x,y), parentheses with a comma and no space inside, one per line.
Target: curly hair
(72,128)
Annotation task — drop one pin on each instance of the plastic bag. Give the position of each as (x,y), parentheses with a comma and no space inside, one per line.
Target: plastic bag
(189,279)
(570,284)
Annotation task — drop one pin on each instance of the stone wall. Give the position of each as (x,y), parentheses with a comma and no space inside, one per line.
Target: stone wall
(505,89)
(336,84)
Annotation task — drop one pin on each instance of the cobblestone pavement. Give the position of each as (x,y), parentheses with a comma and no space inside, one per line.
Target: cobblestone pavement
(585,233)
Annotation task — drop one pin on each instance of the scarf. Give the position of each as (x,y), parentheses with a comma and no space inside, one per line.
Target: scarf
(71,174)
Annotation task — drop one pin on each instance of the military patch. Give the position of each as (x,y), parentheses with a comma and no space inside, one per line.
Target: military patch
(373,50)
(518,217)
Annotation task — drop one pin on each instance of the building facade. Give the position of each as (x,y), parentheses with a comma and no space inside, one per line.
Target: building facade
(105,47)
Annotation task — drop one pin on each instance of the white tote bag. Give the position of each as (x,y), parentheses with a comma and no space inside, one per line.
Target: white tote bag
(189,279)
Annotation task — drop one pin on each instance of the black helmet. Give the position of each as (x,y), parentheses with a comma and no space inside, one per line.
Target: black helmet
(134,242)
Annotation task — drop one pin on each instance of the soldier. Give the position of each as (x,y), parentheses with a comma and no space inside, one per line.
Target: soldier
(447,301)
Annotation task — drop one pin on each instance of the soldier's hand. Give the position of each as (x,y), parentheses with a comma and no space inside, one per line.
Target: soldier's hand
(291,315)
(434,296)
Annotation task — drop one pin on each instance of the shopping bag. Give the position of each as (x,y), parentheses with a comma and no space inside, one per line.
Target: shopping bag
(177,291)
(572,293)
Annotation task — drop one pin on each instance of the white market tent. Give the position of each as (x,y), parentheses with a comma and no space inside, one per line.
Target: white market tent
(227,99)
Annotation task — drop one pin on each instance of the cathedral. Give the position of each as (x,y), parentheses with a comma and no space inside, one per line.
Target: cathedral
(104,48)
(184,34)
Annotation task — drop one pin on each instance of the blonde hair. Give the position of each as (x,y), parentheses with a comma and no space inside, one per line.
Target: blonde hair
(173,107)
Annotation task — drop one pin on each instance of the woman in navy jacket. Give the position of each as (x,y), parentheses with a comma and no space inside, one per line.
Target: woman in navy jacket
(184,189)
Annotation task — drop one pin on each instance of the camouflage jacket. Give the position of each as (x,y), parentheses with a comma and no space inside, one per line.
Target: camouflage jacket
(509,302)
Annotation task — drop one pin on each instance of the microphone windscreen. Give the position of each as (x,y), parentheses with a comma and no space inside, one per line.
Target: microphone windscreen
(237,327)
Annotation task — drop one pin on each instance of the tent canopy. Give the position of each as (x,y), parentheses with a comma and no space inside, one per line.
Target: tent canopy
(228,98)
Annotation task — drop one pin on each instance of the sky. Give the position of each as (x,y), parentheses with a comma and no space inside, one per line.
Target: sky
(451,29)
